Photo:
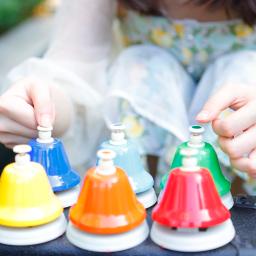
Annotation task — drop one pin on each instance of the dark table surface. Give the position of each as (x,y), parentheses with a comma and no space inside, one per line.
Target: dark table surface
(244,243)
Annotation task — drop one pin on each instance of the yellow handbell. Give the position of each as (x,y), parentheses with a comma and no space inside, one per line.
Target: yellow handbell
(26,197)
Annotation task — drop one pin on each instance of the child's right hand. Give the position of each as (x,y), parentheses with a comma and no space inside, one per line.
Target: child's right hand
(27,104)
(237,132)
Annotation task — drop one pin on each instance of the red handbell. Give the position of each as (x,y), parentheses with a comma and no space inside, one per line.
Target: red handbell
(190,200)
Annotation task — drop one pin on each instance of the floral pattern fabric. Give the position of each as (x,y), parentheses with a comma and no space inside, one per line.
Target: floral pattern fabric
(194,44)
(184,55)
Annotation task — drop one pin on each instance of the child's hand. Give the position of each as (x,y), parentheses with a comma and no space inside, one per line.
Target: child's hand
(27,104)
(237,132)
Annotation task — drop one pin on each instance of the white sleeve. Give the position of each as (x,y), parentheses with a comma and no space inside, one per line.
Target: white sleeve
(83,36)
(77,60)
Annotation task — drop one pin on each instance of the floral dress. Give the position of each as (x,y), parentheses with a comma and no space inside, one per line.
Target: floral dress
(168,70)
(194,44)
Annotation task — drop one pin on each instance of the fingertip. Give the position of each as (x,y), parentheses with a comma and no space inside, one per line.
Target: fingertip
(45,120)
(202,121)
(203,116)
(43,104)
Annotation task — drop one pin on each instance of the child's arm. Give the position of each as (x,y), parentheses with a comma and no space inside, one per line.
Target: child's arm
(237,132)
(67,84)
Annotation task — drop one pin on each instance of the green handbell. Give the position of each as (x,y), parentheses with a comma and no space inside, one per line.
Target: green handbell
(207,158)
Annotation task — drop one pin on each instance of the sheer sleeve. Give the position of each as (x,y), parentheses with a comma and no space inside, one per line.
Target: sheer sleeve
(82,35)
(77,61)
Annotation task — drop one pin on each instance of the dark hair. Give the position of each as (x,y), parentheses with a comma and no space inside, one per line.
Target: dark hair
(246,9)
(143,6)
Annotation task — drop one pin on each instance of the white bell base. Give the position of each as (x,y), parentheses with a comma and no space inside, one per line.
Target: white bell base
(68,197)
(192,240)
(33,235)
(107,243)
(227,199)
(147,198)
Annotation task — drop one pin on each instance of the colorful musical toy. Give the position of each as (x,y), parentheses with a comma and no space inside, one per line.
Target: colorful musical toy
(30,213)
(107,216)
(190,216)
(129,160)
(51,154)
(206,158)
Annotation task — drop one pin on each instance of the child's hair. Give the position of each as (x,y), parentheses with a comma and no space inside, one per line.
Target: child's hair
(246,9)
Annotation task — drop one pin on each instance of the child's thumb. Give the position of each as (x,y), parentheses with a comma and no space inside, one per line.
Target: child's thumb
(43,104)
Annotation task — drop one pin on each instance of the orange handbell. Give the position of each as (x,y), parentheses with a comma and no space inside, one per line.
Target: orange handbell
(107,215)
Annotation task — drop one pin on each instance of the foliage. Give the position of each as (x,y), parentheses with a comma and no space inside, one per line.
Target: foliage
(14,11)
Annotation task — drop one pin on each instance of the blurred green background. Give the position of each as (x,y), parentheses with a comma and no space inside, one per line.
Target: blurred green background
(13,12)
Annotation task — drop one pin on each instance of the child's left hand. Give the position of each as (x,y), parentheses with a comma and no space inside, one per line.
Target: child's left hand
(237,132)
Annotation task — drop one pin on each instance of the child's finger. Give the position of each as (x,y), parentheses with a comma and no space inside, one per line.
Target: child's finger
(11,145)
(237,121)
(240,145)
(221,100)
(244,164)
(12,139)
(252,155)
(43,104)
(18,110)
(9,126)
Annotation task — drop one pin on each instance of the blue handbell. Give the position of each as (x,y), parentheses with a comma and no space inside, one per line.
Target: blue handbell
(128,158)
(51,154)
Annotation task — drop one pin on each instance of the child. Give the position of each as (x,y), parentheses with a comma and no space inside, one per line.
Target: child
(175,55)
